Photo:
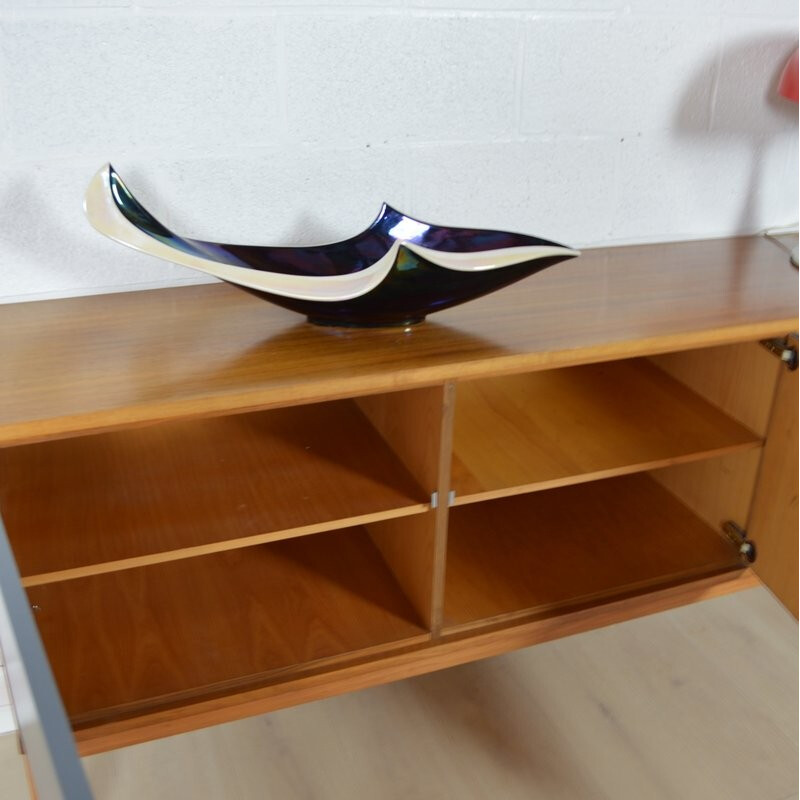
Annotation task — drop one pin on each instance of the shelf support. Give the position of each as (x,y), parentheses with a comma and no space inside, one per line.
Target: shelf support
(738,536)
(451,499)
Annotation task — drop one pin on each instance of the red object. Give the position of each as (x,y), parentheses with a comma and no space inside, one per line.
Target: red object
(787,86)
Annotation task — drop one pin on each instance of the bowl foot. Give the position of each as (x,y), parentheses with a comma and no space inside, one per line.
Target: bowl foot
(333,322)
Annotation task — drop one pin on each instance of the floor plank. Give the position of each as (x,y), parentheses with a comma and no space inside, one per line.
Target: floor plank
(13,785)
(693,704)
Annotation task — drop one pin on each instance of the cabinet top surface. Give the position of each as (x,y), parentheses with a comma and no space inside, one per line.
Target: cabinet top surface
(93,363)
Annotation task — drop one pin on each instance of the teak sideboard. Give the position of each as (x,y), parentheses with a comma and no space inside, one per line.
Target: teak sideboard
(214,509)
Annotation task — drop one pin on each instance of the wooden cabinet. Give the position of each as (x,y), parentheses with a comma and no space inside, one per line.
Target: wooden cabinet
(217,510)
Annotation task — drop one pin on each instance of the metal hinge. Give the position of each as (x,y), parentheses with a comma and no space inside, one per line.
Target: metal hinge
(738,536)
(451,498)
(785,348)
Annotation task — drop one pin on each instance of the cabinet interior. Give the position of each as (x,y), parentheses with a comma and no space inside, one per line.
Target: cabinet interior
(79,506)
(189,558)
(537,553)
(541,430)
(132,639)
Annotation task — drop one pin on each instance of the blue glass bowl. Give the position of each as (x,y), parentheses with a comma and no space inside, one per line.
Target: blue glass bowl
(396,272)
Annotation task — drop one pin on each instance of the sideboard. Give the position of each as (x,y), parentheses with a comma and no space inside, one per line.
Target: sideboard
(214,509)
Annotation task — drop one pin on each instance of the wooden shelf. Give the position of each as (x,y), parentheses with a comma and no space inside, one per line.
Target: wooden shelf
(143,637)
(546,429)
(538,553)
(119,500)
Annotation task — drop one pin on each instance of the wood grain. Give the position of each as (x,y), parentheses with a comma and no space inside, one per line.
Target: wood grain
(442,511)
(141,637)
(408,546)
(416,660)
(551,428)
(212,349)
(739,379)
(124,499)
(535,553)
(774,520)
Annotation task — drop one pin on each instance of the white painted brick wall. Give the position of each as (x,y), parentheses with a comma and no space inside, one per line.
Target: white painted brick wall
(587,121)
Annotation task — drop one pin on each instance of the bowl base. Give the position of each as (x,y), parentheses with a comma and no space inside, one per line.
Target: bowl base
(332,322)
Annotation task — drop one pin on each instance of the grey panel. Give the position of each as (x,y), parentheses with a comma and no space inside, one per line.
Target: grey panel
(46,734)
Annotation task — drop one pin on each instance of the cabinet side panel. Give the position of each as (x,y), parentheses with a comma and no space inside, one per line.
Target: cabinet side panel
(773,525)
(740,379)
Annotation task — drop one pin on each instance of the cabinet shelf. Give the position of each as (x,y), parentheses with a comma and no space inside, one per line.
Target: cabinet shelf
(119,500)
(546,429)
(542,552)
(144,637)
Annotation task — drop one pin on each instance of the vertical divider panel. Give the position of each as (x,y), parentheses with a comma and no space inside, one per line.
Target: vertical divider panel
(418,426)
(740,379)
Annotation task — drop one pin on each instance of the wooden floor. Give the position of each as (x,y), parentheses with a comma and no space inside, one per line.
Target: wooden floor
(700,703)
